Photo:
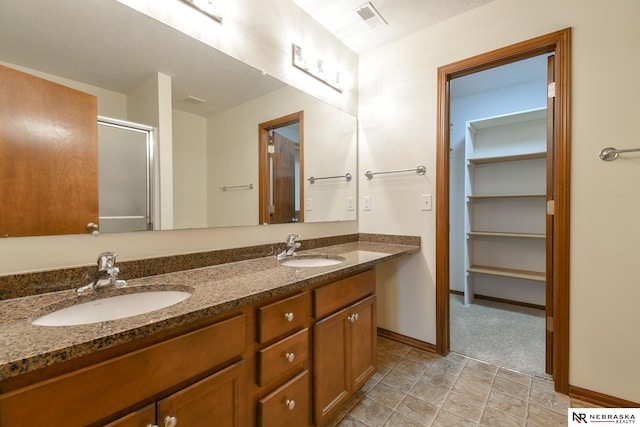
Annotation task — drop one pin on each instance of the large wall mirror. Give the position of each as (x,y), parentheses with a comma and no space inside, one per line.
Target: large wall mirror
(203,106)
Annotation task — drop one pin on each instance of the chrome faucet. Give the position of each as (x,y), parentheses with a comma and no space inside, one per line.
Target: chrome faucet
(107,274)
(290,247)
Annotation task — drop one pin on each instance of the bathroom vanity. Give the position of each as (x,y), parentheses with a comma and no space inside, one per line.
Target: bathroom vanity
(257,343)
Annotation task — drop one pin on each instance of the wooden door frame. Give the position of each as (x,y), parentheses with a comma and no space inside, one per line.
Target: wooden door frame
(263,162)
(558,42)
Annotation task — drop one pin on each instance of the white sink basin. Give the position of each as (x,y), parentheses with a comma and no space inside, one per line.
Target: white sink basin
(112,308)
(312,261)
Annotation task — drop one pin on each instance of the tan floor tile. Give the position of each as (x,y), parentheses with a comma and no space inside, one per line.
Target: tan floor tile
(370,412)
(518,390)
(387,358)
(398,420)
(449,366)
(542,384)
(575,403)
(421,355)
(551,400)
(349,421)
(409,367)
(539,416)
(417,409)
(437,377)
(476,375)
(399,380)
(430,393)
(471,390)
(516,377)
(482,366)
(494,418)
(398,348)
(462,407)
(447,419)
(386,395)
(507,404)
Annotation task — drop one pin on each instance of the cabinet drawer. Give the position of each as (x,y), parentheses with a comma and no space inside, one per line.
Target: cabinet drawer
(126,380)
(283,316)
(288,405)
(285,356)
(144,417)
(334,296)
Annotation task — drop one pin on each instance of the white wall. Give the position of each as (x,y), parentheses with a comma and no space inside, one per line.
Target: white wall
(189,170)
(398,129)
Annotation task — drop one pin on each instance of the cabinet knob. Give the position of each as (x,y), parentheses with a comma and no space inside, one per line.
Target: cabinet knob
(291,404)
(170,421)
(354,317)
(290,357)
(289,316)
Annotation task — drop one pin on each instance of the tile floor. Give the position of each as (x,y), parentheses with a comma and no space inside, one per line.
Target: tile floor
(417,388)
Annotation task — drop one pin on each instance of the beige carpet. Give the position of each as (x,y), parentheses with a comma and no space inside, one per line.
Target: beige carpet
(505,335)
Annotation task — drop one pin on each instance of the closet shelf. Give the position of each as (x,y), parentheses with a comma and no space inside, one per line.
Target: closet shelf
(503,234)
(505,196)
(508,272)
(508,158)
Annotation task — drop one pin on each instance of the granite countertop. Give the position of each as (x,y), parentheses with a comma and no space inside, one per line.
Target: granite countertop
(25,347)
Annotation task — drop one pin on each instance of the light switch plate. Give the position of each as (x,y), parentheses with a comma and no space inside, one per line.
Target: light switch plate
(308,204)
(366,203)
(350,204)
(425,201)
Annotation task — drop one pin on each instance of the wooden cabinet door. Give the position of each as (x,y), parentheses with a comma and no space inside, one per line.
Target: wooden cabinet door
(218,400)
(363,341)
(331,365)
(144,417)
(48,157)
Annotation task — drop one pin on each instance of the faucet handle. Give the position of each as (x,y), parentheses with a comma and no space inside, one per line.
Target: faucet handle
(106,260)
(291,238)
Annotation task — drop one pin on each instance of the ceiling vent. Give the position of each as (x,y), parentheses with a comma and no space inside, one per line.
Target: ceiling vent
(370,15)
(193,100)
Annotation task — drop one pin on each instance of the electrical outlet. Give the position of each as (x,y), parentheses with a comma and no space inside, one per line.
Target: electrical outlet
(350,204)
(366,203)
(308,205)
(425,201)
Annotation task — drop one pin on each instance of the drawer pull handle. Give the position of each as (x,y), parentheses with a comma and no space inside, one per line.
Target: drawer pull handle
(354,317)
(152,425)
(291,404)
(170,421)
(289,316)
(290,357)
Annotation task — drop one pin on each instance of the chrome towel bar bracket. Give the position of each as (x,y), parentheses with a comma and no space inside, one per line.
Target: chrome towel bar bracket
(420,170)
(609,153)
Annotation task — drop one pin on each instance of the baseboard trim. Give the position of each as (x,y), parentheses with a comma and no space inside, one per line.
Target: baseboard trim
(506,301)
(600,399)
(394,336)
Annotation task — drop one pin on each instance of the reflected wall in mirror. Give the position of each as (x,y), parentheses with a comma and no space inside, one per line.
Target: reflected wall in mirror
(155,75)
(281,156)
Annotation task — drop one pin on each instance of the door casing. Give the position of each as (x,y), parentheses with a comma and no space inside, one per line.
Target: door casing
(559,43)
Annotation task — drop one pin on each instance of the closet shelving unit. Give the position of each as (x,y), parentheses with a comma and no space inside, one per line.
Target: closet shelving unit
(506,198)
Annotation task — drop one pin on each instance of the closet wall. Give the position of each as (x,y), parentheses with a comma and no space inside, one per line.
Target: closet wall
(471,102)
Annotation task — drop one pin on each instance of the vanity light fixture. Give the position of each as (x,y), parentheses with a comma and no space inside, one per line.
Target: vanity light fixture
(212,8)
(316,67)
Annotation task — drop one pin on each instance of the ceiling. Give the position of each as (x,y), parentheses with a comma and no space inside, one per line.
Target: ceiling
(112,46)
(403,18)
